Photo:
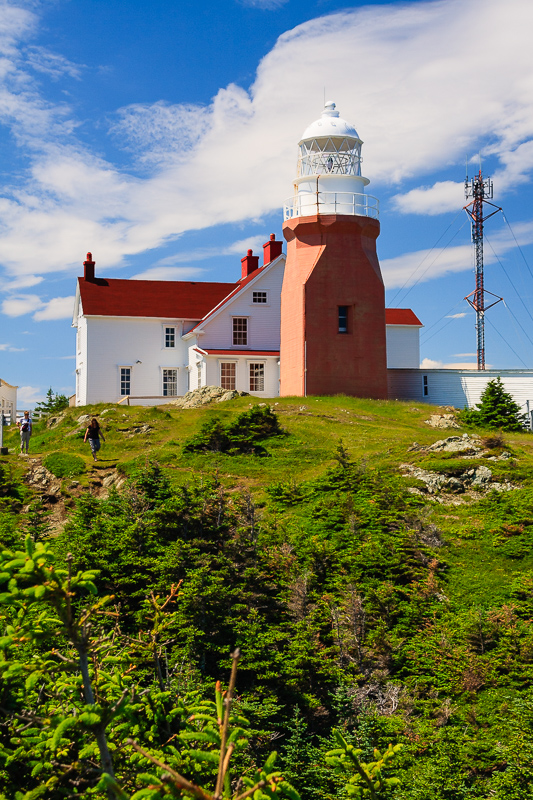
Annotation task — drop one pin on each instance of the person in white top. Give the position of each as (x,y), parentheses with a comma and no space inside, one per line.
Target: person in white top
(25,427)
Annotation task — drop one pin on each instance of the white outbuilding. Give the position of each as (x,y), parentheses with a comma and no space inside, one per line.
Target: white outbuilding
(8,401)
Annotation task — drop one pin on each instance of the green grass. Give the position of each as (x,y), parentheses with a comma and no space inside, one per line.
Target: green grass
(375,433)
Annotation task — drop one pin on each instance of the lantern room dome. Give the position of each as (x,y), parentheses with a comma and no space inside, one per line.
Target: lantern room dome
(329,124)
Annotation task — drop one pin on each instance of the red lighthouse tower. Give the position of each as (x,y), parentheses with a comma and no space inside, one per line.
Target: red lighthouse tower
(333,298)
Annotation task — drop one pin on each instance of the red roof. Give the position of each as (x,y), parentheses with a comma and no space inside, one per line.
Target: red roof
(401,316)
(170,299)
(211,352)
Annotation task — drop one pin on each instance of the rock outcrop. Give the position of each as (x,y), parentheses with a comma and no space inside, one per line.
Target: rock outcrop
(206,395)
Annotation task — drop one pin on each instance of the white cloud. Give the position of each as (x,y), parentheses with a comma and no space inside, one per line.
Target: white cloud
(235,159)
(21,304)
(429,363)
(7,348)
(51,64)
(459,316)
(28,396)
(168,274)
(239,248)
(161,131)
(22,282)
(56,308)
(424,265)
(267,5)
(464,355)
(437,199)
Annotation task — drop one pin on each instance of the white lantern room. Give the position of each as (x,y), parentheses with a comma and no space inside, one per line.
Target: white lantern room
(329,179)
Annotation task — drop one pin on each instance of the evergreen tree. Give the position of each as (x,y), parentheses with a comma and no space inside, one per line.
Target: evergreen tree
(496,410)
(53,404)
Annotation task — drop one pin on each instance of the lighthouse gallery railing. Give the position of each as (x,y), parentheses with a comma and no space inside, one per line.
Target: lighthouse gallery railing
(306,204)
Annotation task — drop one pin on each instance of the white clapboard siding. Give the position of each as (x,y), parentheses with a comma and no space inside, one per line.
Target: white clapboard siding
(114,342)
(456,387)
(263,319)
(403,346)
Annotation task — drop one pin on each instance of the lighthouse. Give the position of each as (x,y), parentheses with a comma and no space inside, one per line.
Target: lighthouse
(333,298)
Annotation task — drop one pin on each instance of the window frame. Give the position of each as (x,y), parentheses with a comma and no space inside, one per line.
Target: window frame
(169,327)
(251,378)
(235,332)
(233,364)
(163,377)
(123,367)
(343,312)
(263,292)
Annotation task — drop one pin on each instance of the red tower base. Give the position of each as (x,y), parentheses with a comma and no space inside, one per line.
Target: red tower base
(332,309)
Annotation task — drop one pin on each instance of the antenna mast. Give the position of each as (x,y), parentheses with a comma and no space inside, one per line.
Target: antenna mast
(479,189)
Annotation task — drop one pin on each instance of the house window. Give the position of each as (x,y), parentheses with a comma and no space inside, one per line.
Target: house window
(170,336)
(125,381)
(425,387)
(259,297)
(343,319)
(227,375)
(170,382)
(257,377)
(240,330)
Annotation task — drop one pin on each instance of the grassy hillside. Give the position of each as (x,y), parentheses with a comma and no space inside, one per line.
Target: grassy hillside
(360,601)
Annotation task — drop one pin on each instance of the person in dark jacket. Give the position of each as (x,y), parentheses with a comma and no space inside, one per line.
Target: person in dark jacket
(94,434)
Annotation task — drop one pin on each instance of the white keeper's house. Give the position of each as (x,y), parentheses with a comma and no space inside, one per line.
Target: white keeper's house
(154,340)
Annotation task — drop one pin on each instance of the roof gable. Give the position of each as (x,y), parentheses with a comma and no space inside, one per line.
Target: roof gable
(244,283)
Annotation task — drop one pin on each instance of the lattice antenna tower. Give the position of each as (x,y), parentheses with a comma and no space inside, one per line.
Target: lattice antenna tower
(481,192)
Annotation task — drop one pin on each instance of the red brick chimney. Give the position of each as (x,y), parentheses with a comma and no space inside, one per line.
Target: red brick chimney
(88,271)
(249,264)
(271,249)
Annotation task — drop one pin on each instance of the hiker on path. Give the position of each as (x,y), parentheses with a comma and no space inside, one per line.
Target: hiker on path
(94,434)
(25,427)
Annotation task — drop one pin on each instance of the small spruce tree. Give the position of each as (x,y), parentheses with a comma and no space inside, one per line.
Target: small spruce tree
(53,404)
(496,410)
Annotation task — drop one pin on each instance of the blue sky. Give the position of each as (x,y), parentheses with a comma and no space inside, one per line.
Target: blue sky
(162,136)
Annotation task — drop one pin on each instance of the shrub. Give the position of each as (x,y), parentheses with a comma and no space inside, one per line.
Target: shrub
(495,410)
(64,465)
(53,403)
(240,436)
(493,441)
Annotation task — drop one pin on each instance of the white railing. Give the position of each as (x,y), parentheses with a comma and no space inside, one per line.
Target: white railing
(351,203)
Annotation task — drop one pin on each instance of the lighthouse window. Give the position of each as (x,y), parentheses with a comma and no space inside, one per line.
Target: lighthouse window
(343,319)
(240,330)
